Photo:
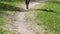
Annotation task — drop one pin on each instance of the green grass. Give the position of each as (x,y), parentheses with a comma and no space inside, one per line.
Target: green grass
(2,18)
(5,9)
(8,5)
(12,2)
(50,16)
(4,31)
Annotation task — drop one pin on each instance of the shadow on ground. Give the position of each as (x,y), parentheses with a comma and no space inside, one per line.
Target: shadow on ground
(6,7)
(46,10)
(12,0)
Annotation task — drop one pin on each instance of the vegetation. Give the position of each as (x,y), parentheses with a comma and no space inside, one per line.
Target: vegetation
(49,15)
(2,31)
(7,7)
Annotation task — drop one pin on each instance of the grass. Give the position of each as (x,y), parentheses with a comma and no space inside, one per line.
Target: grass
(2,18)
(4,31)
(50,16)
(7,7)
(12,2)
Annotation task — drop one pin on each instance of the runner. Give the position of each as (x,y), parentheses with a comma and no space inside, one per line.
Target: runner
(27,3)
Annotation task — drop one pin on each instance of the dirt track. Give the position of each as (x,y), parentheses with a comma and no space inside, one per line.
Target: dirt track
(20,23)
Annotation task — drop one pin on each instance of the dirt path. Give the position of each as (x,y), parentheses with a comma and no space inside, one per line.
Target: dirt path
(20,23)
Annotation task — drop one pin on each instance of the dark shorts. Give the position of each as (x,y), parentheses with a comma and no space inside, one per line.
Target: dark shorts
(27,1)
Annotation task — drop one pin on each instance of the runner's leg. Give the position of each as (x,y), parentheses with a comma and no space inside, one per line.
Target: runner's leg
(26,2)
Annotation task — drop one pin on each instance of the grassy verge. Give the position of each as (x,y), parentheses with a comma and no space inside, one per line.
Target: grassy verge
(12,2)
(2,18)
(49,15)
(7,7)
